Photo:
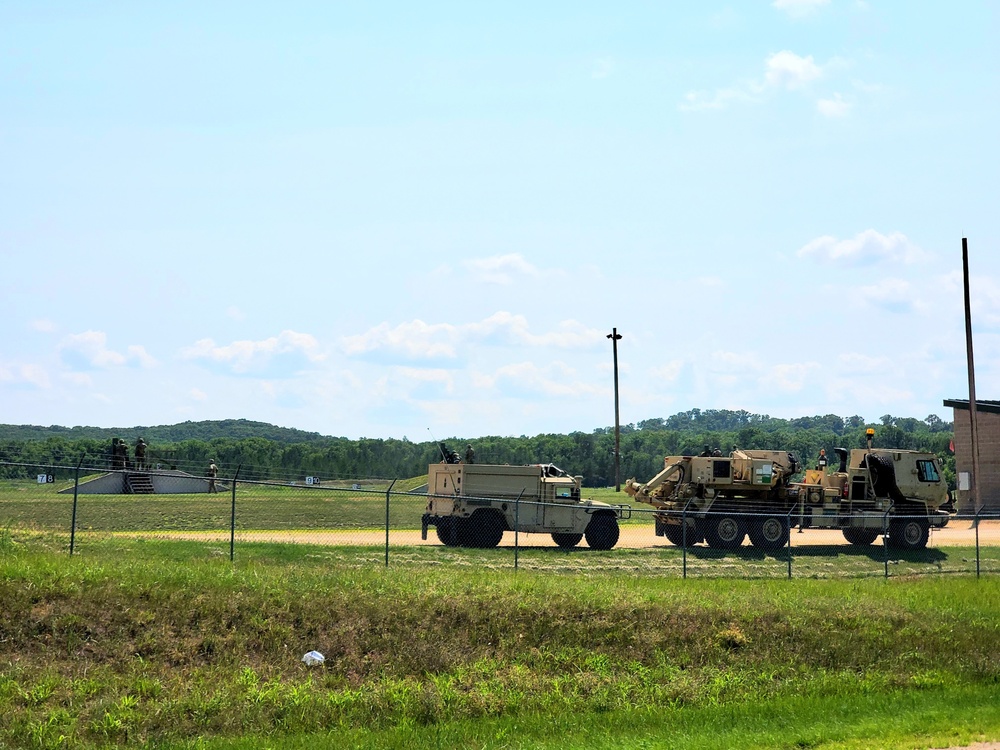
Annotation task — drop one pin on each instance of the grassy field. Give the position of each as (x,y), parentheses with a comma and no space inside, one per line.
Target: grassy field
(148,644)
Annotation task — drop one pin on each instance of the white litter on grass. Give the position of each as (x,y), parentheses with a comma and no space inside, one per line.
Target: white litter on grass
(313,658)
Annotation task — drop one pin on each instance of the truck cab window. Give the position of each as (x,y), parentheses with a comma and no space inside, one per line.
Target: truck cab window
(927,471)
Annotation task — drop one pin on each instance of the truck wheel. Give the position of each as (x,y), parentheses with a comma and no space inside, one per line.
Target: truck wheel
(447,533)
(675,535)
(567,541)
(602,532)
(909,533)
(724,532)
(768,533)
(861,537)
(485,530)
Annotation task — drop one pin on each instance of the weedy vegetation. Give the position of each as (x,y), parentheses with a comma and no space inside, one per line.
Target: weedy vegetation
(149,645)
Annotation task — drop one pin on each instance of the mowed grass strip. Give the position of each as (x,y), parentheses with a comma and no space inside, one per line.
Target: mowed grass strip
(137,645)
(258,506)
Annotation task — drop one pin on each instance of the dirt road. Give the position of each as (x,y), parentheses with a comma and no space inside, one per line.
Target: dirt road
(956,534)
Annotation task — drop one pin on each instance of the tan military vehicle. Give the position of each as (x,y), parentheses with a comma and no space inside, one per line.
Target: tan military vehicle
(723,499)
(875,491)
(715,495)
(472,505)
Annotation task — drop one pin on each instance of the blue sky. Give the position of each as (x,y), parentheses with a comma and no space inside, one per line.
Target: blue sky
(388,220)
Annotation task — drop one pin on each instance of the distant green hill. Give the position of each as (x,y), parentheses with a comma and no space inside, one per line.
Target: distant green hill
(206,430)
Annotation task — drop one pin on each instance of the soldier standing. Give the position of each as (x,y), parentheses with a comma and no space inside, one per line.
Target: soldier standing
(117,453)
(140,454)
(213,472)
(470,455)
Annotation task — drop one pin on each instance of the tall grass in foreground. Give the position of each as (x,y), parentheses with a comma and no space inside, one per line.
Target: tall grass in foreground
(121,648)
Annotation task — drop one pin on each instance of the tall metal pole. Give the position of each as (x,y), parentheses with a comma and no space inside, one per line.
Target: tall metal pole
(615,336)
(972,378)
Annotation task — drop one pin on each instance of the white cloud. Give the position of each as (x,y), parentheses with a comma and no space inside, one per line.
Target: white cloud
(788,378)
(554,380)
(243,356)
(836,106)
(43,325)
(500,269)
(235,313)
(419,340)
(783,71)
(669,372)
(891,295)
(866,248)
(90,350)
(415,339)
(799,8)
(198,395)
(23,374)
(787,70)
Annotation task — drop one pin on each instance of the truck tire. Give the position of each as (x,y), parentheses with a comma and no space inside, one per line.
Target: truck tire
(724,531)
(675,535)
(484,529)
(567,541)
(909,533)
(447,532)
(861,537)
(769,533)
(602,532)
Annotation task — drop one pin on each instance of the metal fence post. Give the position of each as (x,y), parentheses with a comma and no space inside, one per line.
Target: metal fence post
(788,525)
(232,518)
(684,547)
(885,539)
(387,493)
(976,523)
(517,527)
(76,487)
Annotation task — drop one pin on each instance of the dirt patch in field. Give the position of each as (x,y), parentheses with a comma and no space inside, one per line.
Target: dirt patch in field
(953,535)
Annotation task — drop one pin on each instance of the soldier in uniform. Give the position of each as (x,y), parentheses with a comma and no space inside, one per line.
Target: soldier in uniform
(821,461)
(117,454)
(213,472)
(140,454)
(470,455)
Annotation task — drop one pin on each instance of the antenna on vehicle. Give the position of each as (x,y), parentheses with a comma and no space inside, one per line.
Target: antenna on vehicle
(444,455)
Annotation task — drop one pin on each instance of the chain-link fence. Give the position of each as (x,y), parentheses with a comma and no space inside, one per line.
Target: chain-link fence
(229,514)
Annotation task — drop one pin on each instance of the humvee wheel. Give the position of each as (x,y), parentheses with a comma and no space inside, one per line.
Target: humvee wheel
(602,532)
(724,532)
(447,533)
(861,537)
(567,541)
(484,530)
(909,533)
(768,533)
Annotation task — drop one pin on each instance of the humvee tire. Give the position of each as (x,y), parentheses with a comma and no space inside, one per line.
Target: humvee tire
(567,541)
(602,531)
(483,529)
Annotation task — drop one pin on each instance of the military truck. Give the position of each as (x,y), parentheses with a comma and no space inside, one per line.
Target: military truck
(713,495)
(472,505)
(721,500)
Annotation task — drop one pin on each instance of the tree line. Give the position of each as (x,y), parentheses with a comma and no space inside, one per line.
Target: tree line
(643,446)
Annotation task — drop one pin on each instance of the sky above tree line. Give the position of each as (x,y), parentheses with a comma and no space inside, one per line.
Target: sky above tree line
(387,220)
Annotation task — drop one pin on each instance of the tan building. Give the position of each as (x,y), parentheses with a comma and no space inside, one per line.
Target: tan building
(988,426)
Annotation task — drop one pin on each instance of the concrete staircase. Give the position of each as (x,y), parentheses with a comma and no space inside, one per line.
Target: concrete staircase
(138,483)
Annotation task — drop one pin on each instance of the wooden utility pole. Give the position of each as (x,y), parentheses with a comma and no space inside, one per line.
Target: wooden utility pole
(977,498)
(615,336)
